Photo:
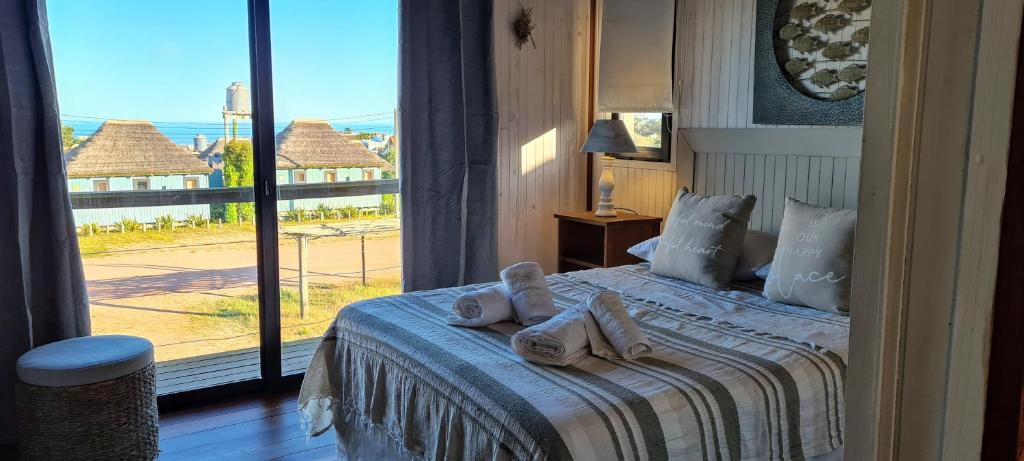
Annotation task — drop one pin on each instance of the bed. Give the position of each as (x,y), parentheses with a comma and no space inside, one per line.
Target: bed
(734,376)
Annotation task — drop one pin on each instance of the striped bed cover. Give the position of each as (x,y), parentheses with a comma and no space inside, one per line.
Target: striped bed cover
(756,380)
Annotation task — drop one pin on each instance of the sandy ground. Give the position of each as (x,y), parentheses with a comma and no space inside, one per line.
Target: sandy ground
(152,293)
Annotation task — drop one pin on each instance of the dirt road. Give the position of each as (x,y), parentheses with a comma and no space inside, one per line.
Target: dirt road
(152,293)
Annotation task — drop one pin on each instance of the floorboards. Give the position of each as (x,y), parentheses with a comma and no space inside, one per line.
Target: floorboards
(261,427)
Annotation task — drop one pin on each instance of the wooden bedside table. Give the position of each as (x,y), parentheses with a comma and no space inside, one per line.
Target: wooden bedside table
(586,241)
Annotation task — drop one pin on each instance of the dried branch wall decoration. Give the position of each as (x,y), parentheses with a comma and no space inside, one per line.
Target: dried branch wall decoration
(523,28)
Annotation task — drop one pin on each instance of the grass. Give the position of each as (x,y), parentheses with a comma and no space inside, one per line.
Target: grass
(240,315)
(102,244)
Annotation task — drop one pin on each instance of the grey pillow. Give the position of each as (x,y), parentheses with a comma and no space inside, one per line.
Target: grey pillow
(703,238)
(814,257)
(758,250)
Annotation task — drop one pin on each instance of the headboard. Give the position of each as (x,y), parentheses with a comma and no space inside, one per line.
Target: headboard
(816,165)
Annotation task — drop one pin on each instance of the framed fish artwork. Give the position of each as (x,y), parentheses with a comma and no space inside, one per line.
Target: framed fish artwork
(811,61)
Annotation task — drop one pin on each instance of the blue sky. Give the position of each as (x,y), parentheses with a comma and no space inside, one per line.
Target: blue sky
(171,61)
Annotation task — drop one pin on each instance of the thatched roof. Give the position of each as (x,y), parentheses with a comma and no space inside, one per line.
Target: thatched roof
(131,148)
(316,144)
(217,148)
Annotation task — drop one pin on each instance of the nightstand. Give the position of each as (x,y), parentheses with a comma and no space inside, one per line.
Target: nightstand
(586,241)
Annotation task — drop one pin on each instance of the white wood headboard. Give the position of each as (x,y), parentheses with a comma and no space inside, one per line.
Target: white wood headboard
(816,165)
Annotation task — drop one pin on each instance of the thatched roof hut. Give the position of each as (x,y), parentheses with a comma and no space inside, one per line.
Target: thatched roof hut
(308,143)
(131,148)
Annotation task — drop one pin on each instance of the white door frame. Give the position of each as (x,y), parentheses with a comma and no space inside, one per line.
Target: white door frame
(936,136)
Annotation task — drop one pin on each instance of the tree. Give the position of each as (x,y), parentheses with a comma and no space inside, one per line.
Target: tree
(389,155)
(67,135)
(238,161)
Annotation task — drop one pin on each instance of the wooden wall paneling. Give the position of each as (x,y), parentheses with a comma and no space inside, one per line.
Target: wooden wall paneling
(542,109)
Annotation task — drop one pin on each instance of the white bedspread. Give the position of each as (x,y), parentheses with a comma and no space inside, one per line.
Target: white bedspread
(730,378)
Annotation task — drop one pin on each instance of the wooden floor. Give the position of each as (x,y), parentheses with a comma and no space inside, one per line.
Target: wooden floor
(253,428)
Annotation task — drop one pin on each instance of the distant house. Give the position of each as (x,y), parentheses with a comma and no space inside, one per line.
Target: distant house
(312,151)
(211,154)
(124,155)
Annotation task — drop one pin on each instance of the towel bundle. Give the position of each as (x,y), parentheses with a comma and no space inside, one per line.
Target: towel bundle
(523,296)
(602,328)
(482,307)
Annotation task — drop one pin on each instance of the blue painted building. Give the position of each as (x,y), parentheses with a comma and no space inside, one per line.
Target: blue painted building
(126,155)
(312,151)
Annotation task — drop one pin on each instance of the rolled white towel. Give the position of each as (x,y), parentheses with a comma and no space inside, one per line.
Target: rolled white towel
(599,344)
(560,341)
(531,297)
(482,307)
(622,332)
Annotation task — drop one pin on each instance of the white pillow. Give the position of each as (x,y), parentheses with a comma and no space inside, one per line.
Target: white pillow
(645,250)
(758,250)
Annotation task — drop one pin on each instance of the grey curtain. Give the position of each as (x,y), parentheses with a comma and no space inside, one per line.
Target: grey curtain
(42,288)
(447,143)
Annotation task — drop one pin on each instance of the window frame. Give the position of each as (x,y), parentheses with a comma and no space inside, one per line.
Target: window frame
(97,182)
(141,180)
(333,174)
(661,154)
(197,180)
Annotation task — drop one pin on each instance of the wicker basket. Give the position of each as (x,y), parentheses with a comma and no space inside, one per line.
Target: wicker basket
(108,420)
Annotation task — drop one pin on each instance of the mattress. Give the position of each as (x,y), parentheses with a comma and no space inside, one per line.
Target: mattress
(733,376)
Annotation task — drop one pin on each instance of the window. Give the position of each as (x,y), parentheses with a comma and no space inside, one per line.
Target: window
(225,333)
(368,174)
(652,134)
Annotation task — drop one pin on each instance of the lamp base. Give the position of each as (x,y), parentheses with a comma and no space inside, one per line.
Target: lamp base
(605,206)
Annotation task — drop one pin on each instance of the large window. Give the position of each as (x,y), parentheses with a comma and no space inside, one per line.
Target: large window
(173,111)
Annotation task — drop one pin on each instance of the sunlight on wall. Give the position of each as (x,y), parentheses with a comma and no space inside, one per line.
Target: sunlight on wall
(541,150)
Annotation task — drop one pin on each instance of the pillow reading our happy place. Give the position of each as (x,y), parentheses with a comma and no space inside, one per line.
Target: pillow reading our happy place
(703,238)
(813,258)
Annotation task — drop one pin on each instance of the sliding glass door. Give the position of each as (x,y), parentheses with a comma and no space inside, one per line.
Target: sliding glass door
(229,200)
(335,93)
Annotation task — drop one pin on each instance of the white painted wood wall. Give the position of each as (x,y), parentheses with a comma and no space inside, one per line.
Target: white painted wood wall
(714,88)
(542,104)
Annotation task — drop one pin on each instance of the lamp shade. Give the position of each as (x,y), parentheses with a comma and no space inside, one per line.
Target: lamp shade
(610,136)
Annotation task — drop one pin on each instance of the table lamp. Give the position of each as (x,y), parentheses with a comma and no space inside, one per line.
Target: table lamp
(609,137)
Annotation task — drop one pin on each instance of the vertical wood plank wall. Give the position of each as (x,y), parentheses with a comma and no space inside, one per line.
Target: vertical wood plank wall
(714,88)
(819,179)
(542,112)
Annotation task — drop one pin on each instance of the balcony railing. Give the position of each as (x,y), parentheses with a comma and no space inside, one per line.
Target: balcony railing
(144,198)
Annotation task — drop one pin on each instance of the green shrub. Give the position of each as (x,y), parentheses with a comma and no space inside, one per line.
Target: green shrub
(165,222)
(296,215)
(324,211)
(89,229)
(129,225)
(196,220)
(349,211)
(387,204)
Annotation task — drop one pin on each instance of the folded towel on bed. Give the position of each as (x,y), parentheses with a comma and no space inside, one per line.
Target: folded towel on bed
(531,297)
(482,307)
(599,344)
(560,341)
(622,332)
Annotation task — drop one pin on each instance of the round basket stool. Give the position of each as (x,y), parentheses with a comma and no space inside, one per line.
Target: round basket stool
(88,398)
